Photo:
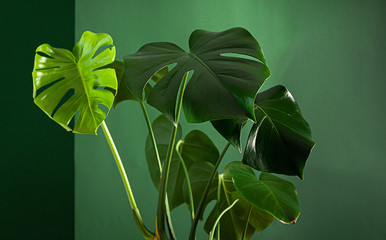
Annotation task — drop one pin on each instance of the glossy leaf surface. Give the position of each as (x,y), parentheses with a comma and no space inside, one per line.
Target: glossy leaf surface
(162,129)
(221,86)
(58,72)
(280,141)
(268,193)
(232,223)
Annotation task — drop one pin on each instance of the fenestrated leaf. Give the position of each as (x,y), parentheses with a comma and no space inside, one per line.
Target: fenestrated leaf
(123,92)
(232,223)
(280,141)
(268,193)
(162,129)
(221,86)
(58,71)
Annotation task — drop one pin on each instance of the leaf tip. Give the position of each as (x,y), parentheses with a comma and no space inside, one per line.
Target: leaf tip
(291,222)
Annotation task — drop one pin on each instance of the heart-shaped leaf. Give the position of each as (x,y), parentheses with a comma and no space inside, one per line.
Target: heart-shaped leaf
(197,146)
(162,129)
(280,141)
(221,86)
(232,223)
(268,193)
(58,72)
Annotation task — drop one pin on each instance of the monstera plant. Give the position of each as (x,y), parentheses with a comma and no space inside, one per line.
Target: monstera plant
(217,80)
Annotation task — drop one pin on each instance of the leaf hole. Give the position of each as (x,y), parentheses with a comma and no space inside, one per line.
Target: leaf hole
(41,89)
(113,91)
(74,119)
(171,66)
(101,49)
(238,55)
(64,99)
(103,108)
(42,69)
(71,124)
(44,55)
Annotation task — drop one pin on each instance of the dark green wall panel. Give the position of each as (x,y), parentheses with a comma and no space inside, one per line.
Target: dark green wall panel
(36,154)
(330,56)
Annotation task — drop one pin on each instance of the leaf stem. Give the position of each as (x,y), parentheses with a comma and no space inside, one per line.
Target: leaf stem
(246,224)
(166,166)
(220,179)
(200,208)
(219,217)
(147,234)
(151,132)
(187,177)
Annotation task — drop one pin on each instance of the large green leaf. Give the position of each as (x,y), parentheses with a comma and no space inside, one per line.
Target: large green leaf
(232,223)
(222,85)
(280,141)
(58,72)
(268,193)
(162,128)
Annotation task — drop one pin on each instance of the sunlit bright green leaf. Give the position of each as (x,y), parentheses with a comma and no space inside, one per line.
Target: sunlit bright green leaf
(67,83)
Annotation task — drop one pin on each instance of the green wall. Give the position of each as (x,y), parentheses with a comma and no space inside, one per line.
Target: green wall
(330,56)
(36,154)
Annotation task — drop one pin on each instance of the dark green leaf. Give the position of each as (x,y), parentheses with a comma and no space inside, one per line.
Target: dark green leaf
(123,92)
(221,86)
(162,128)
(197,146)
(233,222)
(230,129)
(199,174)
(199,154)
(58,72)
(280,141)
(268,193)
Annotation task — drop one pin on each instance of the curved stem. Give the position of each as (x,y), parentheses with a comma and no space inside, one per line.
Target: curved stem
(200,208)
(246,224)
(147,234)
(166,166)
(219,217)
(151,133)
(186,176)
